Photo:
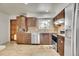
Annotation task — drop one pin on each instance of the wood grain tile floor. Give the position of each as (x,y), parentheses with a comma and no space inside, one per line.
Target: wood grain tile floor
(13,49)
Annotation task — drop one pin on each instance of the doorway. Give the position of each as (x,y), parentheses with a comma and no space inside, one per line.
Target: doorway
(13,29)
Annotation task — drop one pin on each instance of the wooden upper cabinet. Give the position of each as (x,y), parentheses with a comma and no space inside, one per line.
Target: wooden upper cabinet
(60,15)
(31,21)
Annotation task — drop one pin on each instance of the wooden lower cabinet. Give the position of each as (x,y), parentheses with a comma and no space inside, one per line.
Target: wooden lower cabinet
(23,38)
(60,45)
(45,39)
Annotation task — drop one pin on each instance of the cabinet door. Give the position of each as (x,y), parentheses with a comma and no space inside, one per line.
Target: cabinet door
(20,37)
(45,39)
(31,22)
(23,38)
(61,15)
(60,44)
(28,38)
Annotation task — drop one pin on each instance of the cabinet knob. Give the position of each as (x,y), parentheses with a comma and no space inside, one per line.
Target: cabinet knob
(61,41)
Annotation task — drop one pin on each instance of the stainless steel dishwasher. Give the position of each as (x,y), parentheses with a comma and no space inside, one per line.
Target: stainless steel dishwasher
(35,38)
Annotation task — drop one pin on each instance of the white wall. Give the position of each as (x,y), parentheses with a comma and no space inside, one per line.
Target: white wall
(4,28)
(13,16)
(34,15)
(59,8)
(28,15)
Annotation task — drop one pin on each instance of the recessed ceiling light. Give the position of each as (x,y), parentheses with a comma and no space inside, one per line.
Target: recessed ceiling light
(47,11)
(26,3)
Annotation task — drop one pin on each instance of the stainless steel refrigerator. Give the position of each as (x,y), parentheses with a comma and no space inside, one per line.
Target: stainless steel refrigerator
(76,36)
(72,30)
(69,29)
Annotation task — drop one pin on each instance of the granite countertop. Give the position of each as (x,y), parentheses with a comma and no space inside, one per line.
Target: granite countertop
(62,35)
(39,32)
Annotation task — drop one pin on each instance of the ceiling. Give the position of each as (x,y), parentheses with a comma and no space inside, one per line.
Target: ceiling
(39,9)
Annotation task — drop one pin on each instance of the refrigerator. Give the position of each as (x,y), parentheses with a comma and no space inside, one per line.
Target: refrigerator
(76,39)
(72,30)
(69,29)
